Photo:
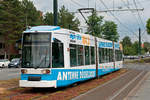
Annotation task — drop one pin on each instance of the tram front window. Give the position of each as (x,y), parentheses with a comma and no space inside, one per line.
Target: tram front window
(36,50)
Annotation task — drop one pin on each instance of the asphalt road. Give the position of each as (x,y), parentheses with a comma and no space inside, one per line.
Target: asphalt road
(10,73)
(138,66)
(6,74)
(118,88)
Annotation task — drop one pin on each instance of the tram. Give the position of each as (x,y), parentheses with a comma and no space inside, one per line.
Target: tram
(57,57)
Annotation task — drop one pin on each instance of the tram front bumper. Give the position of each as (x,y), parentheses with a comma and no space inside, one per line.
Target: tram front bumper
(44,84)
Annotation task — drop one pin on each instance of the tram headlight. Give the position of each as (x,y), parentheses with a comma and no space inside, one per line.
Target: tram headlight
(46,71)
(23,71)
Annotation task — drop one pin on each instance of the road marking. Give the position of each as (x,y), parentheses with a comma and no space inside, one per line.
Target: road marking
(116,94)
(101,85)
(135,89)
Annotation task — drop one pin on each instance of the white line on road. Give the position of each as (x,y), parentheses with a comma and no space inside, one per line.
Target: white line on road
(100,86)
(116,94)
(135,89)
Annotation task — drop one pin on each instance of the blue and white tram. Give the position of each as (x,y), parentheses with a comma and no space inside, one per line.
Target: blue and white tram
(56,57)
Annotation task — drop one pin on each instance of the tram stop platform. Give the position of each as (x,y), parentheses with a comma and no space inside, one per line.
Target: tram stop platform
(141,92)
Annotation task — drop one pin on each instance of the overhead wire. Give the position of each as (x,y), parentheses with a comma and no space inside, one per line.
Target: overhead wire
(128,3)
(125,32)
(79,5)
(128,6)
(138,13)
(75,2)
(133,14)
(117,19)
(140,2)
(144,32)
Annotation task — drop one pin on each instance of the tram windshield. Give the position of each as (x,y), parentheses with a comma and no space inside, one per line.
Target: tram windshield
(36,50)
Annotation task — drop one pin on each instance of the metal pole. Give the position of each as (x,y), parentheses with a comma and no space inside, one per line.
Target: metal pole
(69,26)
(96,52)
(55,12)
(114,56)
(139,41)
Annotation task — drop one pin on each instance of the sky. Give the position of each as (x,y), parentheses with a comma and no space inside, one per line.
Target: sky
(128,21)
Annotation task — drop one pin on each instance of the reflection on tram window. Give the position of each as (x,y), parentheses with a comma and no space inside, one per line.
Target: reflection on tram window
(80,55)
(36,37)
(36,56)
(73,55)
(87,56)
(92,55)
(57,55)
(105,55)
(118,55)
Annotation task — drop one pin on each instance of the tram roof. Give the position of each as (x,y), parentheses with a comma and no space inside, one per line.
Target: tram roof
(42,29)
(47,28)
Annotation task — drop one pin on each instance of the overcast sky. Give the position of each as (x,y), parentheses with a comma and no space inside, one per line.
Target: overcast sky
(129,20)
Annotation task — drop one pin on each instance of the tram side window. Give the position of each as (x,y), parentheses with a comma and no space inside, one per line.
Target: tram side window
(73,55)
(110,55)
(92,55)
(57,55)
(107,54)
(80,55)
(103,55)
(106,57)
(87,55)
(100,54)
(118,55)
(121,55)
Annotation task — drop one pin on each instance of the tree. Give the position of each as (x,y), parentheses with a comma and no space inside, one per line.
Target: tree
(135,47)
(13,17)
(126,41)
(48,19)
(148,26)
(32,17)
(95,25)
(65,19)
(11,23)
(146,46)
(110,31)
(127,46)
(128,51)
